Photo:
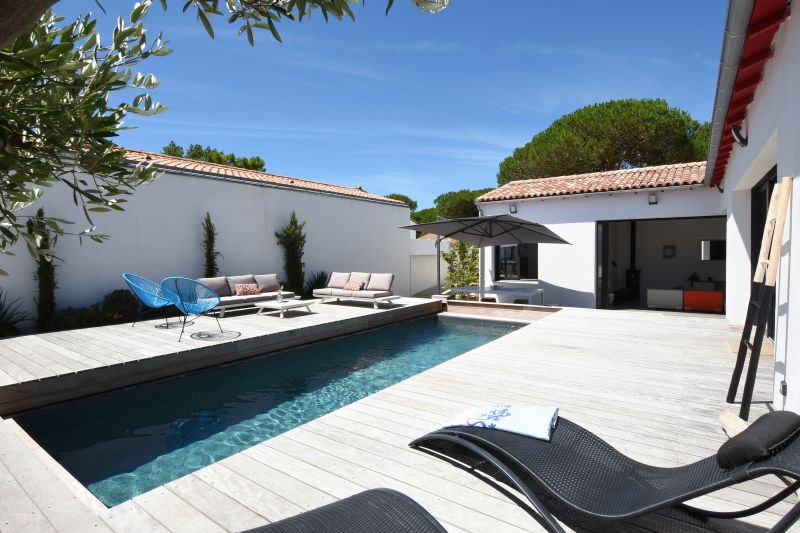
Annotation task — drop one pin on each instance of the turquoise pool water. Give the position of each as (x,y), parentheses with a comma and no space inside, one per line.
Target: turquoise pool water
(128,442)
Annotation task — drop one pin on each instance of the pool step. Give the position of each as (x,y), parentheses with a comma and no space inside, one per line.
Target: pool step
(32,496)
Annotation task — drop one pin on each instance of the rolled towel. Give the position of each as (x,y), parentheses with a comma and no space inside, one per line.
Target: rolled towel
(535,421)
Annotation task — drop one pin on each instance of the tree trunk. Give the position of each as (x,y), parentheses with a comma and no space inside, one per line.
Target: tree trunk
(19,16)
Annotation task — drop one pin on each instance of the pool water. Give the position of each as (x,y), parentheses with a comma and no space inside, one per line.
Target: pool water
(125,443)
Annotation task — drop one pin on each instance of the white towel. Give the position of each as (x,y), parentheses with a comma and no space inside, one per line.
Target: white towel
(531,420)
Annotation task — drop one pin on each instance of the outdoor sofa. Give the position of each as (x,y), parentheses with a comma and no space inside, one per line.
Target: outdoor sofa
(358,286)
(267,285)
(580,480)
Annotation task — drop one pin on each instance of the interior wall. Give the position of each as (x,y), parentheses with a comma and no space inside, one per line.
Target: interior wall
(658,272)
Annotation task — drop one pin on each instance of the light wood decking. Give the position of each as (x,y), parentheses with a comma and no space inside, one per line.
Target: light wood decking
(41,369)
(650,383)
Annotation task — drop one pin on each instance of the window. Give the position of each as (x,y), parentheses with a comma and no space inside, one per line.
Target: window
(516,261)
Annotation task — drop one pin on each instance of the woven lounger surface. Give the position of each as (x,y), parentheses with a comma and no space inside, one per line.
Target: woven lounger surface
(584,481)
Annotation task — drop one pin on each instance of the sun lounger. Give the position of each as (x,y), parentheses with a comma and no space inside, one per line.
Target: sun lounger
(372,511)
(358,286)
(588,485)
(504,295)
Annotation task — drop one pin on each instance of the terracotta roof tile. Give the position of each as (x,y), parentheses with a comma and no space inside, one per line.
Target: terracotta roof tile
(680,174)
(166,162)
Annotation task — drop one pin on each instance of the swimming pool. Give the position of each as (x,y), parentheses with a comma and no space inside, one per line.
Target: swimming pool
(122,444)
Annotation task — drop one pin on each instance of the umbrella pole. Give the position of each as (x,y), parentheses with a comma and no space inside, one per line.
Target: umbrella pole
(481,275)
(438,265)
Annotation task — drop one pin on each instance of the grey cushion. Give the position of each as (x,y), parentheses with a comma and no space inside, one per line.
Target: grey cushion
(233,281)
(360,277)
(273,295)
(371,294)
(765,437)
(267,282)
(218,285)
(338,279)
(251,298)
(380,282)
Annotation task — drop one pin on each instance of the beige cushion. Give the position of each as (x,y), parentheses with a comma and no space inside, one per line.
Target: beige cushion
(353,286)
(218,285)
(340,292)
(246,289)
(267,282)
(272,295)
(362,277)
(380,282)
(233,281)
(338,280)
(371,294)
(322,292)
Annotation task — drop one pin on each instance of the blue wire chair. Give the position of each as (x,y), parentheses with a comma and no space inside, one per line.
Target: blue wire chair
(190,297)
(148,292)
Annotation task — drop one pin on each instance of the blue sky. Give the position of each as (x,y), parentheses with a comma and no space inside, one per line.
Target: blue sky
(415,103)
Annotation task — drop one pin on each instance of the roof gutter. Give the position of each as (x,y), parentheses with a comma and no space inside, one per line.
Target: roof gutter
(736,25)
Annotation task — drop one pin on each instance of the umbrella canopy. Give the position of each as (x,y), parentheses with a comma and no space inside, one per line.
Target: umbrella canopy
(490,231)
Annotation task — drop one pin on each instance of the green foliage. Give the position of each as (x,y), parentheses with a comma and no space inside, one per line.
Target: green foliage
(609,136)
(210,253)
(293,239)
(116,307)
(213,155)
(424,215)
(462,265)
(45,275)
(62,101)
(412,204)
(316,280)
(458,204)
(11,316)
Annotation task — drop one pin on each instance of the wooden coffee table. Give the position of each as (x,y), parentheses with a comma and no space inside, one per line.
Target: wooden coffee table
(285,305)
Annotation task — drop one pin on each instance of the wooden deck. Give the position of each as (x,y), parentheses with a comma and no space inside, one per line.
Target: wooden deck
(42,369)
(652,384)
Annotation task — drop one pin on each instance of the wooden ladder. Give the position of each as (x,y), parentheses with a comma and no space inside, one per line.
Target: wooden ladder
(761,293)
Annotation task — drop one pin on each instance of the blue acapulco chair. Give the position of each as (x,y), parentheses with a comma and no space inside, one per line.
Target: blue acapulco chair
(148,292)
(190,297)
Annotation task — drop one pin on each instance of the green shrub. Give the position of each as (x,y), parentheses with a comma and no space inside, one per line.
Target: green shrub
(10,316)
(210,253)
(316,280)
(293,239)
(116,307)
(462,265)
(45,274)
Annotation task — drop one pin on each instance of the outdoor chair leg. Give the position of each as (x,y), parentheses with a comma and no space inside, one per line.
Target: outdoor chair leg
(218,324)
(183,325)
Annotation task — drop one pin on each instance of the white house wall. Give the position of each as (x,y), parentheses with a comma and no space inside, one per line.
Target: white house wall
(159,234)
(773,131)
(567,272)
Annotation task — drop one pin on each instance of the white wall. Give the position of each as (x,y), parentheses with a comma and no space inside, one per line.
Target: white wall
(423,263)
(567,272)
(773,130)
(159,234)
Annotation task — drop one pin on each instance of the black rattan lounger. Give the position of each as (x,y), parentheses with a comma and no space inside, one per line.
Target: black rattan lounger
(585,483)
(372,511)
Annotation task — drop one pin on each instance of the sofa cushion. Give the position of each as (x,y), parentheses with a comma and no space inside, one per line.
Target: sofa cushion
(340,292)
(267,282)
(242,300)
(353,286)
(218,285)
(765,437)
(233,281)
(322,292)
(287,295)
(371,294)
(362,277)
(246,289)
(338,279)
(380,282)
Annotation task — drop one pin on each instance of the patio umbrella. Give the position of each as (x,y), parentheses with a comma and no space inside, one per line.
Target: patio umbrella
(493,230)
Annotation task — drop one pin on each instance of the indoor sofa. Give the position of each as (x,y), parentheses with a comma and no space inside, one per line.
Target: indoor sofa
(268,288)
(358,286)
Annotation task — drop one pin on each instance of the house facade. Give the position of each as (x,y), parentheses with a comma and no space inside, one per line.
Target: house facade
(160,234)
(646,235)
